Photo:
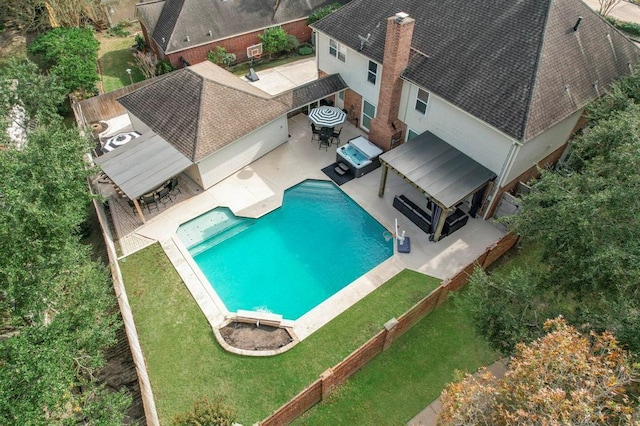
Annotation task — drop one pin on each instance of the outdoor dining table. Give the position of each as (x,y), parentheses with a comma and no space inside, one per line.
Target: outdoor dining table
(327,116)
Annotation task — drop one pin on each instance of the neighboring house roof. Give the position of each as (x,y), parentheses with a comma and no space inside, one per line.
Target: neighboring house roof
(202,108)
(517,65)
(181,24)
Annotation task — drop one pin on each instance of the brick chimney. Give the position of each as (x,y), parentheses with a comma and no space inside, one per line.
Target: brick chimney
(397,45)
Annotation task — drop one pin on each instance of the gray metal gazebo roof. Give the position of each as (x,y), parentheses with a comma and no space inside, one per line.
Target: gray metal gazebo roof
(438,169)
(143,164)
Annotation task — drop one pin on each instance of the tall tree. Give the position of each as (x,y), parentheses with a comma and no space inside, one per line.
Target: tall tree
(561,378)
(40,15)
(585,221)
(56,309)
(71,54)
(28,96)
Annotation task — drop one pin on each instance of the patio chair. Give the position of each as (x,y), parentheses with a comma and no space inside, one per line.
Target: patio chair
(315,133)
(324,142)
(335,136)
(164,195)
(173,186)
(149,200)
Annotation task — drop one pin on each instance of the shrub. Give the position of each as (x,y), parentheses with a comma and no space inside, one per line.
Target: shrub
(322,12)
(630,28)
(292,43)
(141,44)
(274,40)
(163,66)
(120,29)
(71,54)
(305,50)
(206,413)
(221,57)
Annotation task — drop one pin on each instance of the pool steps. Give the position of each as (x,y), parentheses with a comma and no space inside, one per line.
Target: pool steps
(233,229)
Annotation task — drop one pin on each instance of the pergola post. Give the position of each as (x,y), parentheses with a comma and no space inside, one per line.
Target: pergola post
(383,179)
(136,204)
(440,225)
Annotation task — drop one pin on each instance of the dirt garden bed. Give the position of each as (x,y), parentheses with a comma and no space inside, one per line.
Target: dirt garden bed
(254,337)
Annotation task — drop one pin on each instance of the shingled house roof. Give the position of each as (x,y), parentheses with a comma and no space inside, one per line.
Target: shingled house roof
(517,65)
(181,24)
(203,108)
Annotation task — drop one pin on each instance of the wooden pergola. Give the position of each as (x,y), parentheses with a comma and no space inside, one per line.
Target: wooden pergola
(438,170)
(142,165)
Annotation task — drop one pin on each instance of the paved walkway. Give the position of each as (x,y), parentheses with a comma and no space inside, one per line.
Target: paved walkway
(429,415)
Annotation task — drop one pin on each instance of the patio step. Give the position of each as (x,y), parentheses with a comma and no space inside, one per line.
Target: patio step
(221,236)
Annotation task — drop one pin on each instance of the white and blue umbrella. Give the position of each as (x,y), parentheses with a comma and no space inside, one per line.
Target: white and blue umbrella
(327,116)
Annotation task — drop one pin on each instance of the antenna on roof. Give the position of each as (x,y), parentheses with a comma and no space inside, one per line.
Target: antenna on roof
(575,27)
(363,40)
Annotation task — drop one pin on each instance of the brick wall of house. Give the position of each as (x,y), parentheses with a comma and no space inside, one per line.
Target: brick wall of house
(237,45)
(353,105)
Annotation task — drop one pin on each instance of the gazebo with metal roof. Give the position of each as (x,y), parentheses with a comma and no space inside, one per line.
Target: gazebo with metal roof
(438,170)
(142,165)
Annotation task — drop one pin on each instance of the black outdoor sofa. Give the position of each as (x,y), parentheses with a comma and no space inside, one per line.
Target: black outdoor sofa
(422,219)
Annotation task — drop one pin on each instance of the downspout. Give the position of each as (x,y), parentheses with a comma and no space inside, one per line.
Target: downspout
(506,169)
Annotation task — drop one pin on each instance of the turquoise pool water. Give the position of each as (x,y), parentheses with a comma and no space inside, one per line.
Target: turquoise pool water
(292,259)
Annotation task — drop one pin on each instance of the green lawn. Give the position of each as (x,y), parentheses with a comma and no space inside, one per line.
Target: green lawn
(403,380)
(186,363)
(115,57)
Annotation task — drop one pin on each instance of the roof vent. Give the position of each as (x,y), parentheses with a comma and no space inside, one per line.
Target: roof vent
(210,33)
(401,16)
(163,40)
(363,40)
(188,39)
(575,27)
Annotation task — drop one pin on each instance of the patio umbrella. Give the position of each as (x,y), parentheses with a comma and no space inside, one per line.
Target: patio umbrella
(119,140)
(327,116)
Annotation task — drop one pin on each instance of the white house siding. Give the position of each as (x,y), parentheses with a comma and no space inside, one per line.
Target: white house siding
(228,160)
(469,135)
(353,71)
(541,146)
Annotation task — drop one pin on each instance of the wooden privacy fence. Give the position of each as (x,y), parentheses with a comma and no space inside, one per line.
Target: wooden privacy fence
(102,107)
(148,403)
(393,329)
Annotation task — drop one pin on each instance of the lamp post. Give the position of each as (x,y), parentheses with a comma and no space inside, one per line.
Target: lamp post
(130,77)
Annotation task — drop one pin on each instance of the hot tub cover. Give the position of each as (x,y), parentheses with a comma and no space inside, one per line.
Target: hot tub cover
(365,146)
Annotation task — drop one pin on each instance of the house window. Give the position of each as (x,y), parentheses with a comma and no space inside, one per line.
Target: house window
(421,101)
(372,74)
(368,112)
(411,134)
(341,95)
(337,50)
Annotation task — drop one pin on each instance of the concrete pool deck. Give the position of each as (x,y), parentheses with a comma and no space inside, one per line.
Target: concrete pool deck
(258,189)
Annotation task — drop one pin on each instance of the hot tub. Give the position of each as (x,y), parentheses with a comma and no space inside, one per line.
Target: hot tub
(360,155)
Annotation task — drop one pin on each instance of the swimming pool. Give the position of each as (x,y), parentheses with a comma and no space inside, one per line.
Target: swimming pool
(292,259)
